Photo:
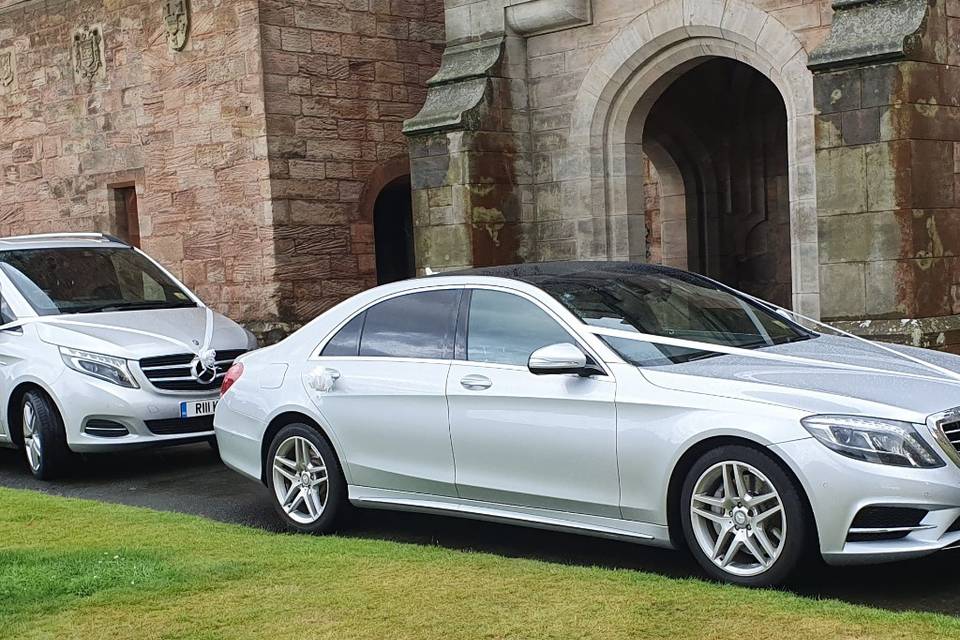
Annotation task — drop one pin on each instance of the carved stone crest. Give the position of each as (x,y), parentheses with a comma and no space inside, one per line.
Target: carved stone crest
(176,19)
(6,67)
(87,52)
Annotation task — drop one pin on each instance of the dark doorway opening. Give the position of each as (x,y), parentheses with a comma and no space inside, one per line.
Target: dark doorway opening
(724,126)
(127,214)
(393,232)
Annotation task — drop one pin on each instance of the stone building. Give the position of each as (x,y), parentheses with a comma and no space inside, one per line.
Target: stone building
(803,150)
(243,143)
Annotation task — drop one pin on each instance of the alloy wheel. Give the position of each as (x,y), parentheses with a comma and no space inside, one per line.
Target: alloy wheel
(738,518)
(300,479)
(31,437)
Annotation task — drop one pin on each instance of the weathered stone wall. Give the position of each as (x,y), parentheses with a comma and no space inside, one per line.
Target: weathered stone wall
(186,127)
(888,140)
(872,179)
(339,78)
(553,194)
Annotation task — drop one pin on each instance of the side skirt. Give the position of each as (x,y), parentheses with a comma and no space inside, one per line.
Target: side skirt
(641,532)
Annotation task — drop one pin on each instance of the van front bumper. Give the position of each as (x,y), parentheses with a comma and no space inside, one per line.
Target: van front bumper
(99,416)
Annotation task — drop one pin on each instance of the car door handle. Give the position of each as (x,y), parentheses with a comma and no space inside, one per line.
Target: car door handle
(475,382)
(323,379)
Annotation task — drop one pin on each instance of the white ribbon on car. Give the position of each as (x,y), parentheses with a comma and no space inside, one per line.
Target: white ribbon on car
(206,355)
(782,357)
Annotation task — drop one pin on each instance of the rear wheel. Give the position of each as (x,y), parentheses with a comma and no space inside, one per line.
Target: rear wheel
(743,517)
(309,490)
(44,438)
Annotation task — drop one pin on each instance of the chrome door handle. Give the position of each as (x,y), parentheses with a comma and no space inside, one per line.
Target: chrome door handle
(475,382)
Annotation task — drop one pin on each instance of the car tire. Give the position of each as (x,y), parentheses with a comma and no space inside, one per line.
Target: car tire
(305,480)
(44,439)
(744,496)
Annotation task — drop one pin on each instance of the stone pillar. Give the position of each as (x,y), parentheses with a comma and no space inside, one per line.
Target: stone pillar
(887,135)
(466,162)
(470,146)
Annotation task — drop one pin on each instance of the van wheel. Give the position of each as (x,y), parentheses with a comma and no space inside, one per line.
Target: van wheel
(743,517)
(304,475)
(44,438)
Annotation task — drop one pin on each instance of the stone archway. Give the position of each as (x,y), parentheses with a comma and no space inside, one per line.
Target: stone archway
(625,82)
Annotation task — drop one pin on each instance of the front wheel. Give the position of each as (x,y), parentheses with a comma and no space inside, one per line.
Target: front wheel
(44,439)
(304,475)
(743,517)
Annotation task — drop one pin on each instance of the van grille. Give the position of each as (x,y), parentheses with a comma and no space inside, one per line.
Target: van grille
(177,426)
(173,373)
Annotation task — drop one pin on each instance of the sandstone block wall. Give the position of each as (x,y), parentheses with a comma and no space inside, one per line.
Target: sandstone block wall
(187,128)
(339,79)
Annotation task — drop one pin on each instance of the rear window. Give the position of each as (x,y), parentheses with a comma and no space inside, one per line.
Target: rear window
(417,325)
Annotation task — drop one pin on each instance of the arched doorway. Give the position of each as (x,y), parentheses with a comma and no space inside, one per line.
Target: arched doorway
(608,155)
(716,139)
(393,232)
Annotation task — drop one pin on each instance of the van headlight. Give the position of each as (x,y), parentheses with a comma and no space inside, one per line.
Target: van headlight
(873,440)
(107,368)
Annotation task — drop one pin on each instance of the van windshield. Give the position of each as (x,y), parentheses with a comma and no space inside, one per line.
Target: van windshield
(90,280)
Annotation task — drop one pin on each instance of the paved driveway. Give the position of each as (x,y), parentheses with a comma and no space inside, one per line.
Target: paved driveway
(191,480)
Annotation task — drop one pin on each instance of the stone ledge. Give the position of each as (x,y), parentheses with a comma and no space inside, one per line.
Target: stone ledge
(870,31)
(533,17)
(933,333)
(458,88)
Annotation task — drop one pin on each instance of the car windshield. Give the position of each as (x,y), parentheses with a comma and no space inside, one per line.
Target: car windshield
(90,280)
(669,304)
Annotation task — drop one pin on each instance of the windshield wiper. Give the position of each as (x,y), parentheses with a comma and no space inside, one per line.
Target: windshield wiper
(133,306)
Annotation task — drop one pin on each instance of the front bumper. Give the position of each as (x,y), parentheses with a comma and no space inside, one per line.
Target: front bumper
(89,406)
(839,487)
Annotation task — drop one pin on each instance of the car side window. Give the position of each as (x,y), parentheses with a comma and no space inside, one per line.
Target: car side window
(417,325)
(347,341)
(505,329)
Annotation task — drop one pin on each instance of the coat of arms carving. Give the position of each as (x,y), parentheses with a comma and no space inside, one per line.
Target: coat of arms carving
(6,67)
(176,19)
(87,52)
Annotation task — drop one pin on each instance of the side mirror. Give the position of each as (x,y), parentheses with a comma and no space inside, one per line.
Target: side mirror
(561,358)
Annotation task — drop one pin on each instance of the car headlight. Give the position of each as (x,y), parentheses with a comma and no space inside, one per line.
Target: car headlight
(873,440)
(107,368)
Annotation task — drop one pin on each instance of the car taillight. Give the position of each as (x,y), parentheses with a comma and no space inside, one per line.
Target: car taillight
(233,374)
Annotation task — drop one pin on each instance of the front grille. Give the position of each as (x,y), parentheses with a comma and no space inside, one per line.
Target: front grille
(952,431)
(105,429)
(176,426)
(174,373)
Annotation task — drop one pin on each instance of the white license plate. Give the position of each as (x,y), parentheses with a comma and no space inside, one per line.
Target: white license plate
(196,408)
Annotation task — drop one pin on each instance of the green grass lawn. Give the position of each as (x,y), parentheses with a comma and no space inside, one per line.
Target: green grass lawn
(78,569)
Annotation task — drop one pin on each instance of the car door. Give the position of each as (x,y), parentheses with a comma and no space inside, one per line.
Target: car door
(387,404)
(546,441)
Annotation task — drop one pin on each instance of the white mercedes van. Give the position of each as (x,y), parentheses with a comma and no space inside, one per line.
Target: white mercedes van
(101,349)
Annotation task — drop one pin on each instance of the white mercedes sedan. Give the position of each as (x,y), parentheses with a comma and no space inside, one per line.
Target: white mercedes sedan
(612,399)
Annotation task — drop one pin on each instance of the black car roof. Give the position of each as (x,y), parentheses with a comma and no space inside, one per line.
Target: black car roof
(534,272)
